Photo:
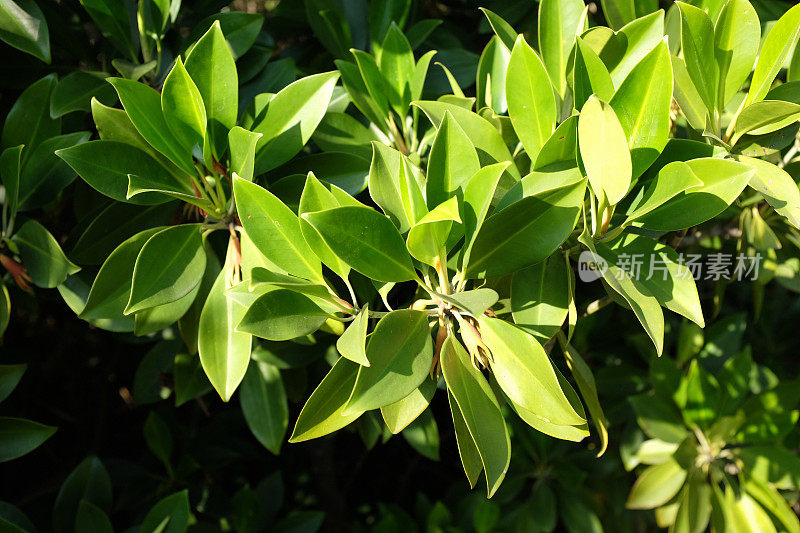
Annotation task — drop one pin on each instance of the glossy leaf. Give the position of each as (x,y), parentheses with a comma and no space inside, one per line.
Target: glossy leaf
(491,79)
(480,413)
(316,197)
(264,404)
(777,187)
(275,231)
(531,104)
(184,111)
(479,192)
(542,222)
(736,38)
(290,118)
(23,26)
(540,297)
(401,413)
(352,343)
(642,106)
(394,184)
(89,481)
(213,70)
(604,151)
(224,352)
(41,255)
(281,315)
(365,240)
(174,509)
(559,22)
(170,264)
(427,240)
(673,179)
(697,43)
(323,412)
(400,352)
(525,373)
(656,485)
(28,121)
(452,161)
(19,437)
(777,44)
(143,105)
(589,76)
(76,91)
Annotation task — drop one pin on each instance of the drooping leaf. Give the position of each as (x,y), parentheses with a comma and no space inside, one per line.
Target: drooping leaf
(401,413)
(263,400)
(281,315)
(224,352)
(481,415)
(352,343)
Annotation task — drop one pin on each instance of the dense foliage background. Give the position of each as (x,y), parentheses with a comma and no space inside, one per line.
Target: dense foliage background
(122,444)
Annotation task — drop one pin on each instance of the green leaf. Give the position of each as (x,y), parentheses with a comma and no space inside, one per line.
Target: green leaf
(281,315)
(660,273)
(481,415)
(173,510)
(774,502)
(275,231)
(111,289)
(745,514)
(394,184)
(688,97)
(531,104)
(382,15)
(542,222)
(723,181)
(589,76)
(524,372)
(559,22)
(365,240)
(540,297)
(352,343)
(484,136)
(23,26)
(774,465)
(91,518)
(240,29)
(694,507)
(491,79)
(642,105)
(501,28)
(658,418)
(316,197)
(467,450)
(170,264)
(77,90)
(264,404)
(224,352)
(736,38)
(765,117)
(46,264)
(427,240)
(673,179)
(29,122)
(777,44)
(697,44)
(452,161)
(44,176)
(154,319)
(19,437)
(183,108)
(323,412)
(656,485)
(212,68)
(400,352)
(423,435)
(10,168)
(645,306)
(604,151)
(618,13)
(586,383)
(396,63)
(365,85)
(290,118)
(479,191)
(401,413)
(88,482)
(474,302)
(242,145)
(777,187)
(340,132)
(158,438)
(143,105)
(9,377)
